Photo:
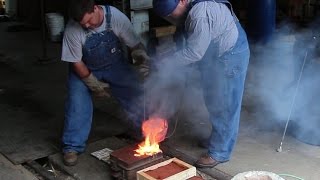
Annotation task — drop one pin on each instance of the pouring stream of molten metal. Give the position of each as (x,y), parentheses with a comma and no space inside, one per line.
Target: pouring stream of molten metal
(154,131)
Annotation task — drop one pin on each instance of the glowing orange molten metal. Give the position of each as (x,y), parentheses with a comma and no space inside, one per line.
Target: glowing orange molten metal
(154,131)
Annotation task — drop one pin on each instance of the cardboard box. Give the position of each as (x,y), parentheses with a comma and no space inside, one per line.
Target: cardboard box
(188,172)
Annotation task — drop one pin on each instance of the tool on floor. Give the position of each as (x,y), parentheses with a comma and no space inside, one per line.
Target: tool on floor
(292,103)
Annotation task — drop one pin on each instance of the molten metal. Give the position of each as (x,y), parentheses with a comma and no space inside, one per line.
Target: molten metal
(154,131)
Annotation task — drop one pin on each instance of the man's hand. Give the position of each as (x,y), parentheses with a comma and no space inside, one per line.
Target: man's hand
(144,69)
(98,88)
(139,56)
(142,60)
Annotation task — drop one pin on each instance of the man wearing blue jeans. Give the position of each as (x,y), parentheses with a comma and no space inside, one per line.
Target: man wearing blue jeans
(216,42)
(98,67)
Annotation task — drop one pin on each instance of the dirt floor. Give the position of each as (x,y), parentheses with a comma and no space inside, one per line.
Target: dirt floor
(31,111)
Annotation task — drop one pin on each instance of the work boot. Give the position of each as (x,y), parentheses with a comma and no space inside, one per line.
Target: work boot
(70,158)
(206,161)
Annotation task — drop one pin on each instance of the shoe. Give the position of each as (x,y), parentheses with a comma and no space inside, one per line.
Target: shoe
(206,161)
(70,158)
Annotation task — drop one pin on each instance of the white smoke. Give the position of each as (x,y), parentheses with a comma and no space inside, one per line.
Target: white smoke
(273,79)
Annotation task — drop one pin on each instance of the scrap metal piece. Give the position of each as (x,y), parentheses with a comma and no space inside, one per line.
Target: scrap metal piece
(103,154)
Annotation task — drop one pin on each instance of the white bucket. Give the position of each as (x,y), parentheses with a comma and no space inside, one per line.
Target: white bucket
(257,175)
(55,25)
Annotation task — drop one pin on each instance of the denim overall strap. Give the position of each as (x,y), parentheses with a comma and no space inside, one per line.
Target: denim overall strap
(218,1)
(103,49)
(108,18)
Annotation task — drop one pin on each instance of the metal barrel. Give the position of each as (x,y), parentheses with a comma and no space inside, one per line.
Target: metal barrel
(261,20)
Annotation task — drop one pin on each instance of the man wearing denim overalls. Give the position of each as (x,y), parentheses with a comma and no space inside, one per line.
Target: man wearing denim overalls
(91,45)
(216,42)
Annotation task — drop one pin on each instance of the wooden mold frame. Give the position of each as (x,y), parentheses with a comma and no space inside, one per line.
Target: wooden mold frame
(189,172)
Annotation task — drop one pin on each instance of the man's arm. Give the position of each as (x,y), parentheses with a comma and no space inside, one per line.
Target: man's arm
(72,53)
(99,89)
(123,28)
(198,41)
(81,69)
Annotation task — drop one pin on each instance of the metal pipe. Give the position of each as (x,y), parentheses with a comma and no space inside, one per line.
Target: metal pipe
(292,104)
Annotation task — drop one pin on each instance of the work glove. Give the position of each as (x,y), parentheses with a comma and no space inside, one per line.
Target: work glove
(98,88)
(142,60)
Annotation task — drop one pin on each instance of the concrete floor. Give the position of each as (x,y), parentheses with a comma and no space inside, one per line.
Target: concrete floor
(256,151)
(258,139)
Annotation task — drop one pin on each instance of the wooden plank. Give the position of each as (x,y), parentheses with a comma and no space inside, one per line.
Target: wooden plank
(163,31)
(24,137)
(185,174)
(10,171)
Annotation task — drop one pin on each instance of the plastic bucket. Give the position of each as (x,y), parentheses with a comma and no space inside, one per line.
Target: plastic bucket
(257,175)
(55,25)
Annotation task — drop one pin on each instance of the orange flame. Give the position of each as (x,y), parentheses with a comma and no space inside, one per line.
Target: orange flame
(154,131)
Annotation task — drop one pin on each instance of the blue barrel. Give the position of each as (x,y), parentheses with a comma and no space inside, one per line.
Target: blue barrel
(261,19)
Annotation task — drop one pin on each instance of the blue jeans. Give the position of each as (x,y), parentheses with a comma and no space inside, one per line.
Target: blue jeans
(223,84)
(79,106)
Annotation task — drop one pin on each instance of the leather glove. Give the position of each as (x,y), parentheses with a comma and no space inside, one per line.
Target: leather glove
(98,88)
(144,69)
(141,59)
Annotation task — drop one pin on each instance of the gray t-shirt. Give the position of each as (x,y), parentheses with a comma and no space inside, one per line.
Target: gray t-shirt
(207,21)
(75,35)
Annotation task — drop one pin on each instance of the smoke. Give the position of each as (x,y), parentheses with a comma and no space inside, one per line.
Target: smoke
(173,92)
(165,89)
(284,78)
